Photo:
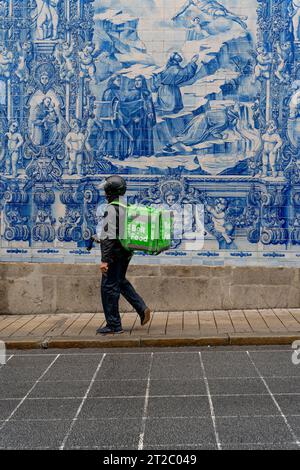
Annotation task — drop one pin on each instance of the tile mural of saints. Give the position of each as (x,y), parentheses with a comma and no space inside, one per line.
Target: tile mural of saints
(201,48)
(197,96)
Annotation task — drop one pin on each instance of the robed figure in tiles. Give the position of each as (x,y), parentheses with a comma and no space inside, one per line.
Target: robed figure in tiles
(117,139)
(170,80)
(44,123)
(140,116)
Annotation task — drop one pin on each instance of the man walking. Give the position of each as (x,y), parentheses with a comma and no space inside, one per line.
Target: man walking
(115,261)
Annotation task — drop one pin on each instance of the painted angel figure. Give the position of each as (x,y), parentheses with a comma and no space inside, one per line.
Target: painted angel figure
(214,9)
(6,62)
(197,29)
(264,63)
(64,56)
(218,217)
(284,52)
(15,218)
(22,71)
(171,201)
(271,143)
(70,229)
(14,144)
(76,145)
(87,58)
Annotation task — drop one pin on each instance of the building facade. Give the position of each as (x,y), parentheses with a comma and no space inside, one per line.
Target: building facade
(194,102)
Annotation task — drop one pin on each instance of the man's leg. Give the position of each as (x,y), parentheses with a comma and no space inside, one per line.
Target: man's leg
(110,293)
(129,292)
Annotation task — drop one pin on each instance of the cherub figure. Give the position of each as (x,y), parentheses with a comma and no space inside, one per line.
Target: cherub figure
(213,9)
(64,55)
(43,229)
(218,216)
(74,218)
(284,52)
(197,29)
(264,63)
(87,58)
(44,217)
(272,143)
(71,220)
(171,202)
(22,71)
(75,143)
(6,62)
(16,225)
(14,144)
(14,217)
(70,229)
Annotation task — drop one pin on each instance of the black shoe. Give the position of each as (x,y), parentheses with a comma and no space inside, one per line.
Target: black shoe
(119,331)
(107,330)
(145,318)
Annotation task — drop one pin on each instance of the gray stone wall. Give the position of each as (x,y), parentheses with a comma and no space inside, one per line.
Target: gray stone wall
(59,288)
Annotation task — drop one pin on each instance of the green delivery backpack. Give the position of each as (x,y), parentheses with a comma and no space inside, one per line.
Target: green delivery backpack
(146,229)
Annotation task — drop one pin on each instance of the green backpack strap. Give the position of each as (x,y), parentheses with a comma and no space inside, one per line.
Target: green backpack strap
(120,204)
(121,239)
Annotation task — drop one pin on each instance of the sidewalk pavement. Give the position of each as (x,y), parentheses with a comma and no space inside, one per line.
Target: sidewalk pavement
(235,327)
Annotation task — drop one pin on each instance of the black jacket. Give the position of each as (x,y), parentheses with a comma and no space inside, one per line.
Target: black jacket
(111,247)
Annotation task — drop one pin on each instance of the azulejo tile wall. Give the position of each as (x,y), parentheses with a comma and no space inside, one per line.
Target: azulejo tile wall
(192,101)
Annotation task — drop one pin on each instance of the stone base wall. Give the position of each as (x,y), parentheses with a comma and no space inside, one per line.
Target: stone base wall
(59,288)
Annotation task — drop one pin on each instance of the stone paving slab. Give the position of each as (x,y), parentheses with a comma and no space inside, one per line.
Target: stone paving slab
(270,326)
(256,321)
(239,321)
(207,323)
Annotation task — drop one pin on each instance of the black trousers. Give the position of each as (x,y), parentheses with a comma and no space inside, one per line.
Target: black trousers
(114,283)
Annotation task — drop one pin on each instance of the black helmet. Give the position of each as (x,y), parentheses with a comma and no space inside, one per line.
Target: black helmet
(115,186)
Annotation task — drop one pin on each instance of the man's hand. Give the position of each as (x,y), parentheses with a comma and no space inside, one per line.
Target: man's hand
(104,268)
